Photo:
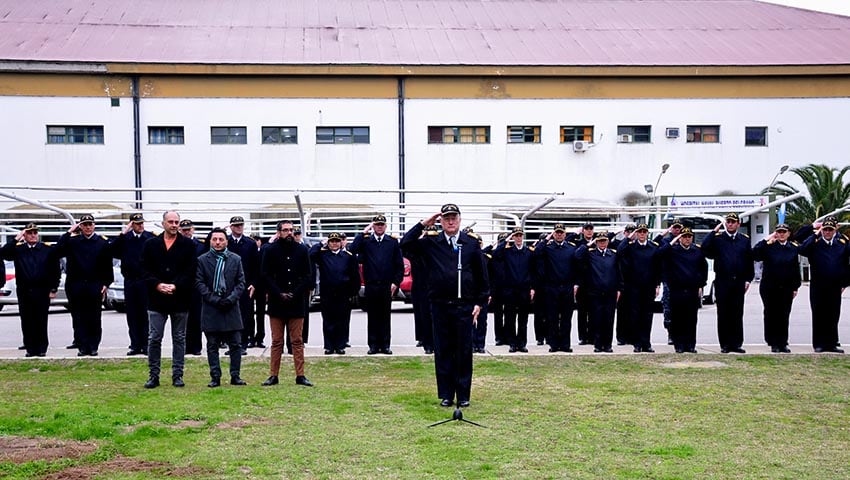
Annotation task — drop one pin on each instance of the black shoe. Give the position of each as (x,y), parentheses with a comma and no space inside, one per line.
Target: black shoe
(272,380)
(512,350)
(23,347)
(28,354)
(724,350)
(41,354)
(522,349)
(648,350)
(93,353)
(339,351)
(567,350)
(669,340)
(680,350)
(372,351)
(82,353)
(250,345)
(195,353)
(418,344)
(347,345)
(259,345)
(429,351)
(620,343)
(152,382)
(540,342)
(774,349)
(244,352)
(637,350)
(178,382)
(737,350)
(72,346)
(463,403)
(387,351)
(499,343)
(553,350)
(784,350)
(446,402)
(597,350)
(134,351)
(609,350)
(583,342)
(328,351)
(235,380)
(819,350)
(215,382)
(302,380)
(836,350)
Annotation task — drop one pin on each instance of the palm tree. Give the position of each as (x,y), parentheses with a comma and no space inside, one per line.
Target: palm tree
(827,192)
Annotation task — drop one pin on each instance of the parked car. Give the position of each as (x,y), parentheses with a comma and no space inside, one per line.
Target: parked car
(403,294)
(9,294)
(708,297)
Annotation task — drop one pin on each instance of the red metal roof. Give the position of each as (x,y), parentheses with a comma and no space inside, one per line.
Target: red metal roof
(422,32)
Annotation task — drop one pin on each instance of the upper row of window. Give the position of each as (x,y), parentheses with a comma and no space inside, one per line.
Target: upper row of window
(753,136)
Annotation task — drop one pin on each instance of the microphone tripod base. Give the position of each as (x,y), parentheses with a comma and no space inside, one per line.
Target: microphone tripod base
(458,416)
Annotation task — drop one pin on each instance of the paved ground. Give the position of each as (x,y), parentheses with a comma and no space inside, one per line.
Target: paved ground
(115,338)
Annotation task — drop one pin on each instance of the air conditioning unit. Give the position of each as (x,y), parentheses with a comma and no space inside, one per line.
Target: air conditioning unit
(672,132)
(625,138)
(581,146)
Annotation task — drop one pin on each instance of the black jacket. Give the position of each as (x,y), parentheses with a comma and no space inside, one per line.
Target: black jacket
(176,265)
(339,275)
(780,264)
(733,258)
(286,269)
(36,267)
(382,262)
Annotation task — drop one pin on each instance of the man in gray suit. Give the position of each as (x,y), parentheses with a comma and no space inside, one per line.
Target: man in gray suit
(220,280)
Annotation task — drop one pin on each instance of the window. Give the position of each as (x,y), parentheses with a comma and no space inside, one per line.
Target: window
(703,133)
(225,135)
(77,134)
(273,135)
(165,135)
(342,134)
(572,134)
(458,134)
(638,133)
(524,134)
(755,136)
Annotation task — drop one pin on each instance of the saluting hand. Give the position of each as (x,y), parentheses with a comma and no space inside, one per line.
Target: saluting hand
(431,220)
(74,228)
(771,238)
(19,236)
(717,228)
(675,240)
(367,229)
(127,227)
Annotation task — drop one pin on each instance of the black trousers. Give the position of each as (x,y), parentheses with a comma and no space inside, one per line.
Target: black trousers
(422,324)
(583,323)
(260,315)
(214,342)
(33,304)
(86,304)
(136,303)
(560,303)
(378,306)
(336,316)
(826,308)
(730,312)
(777,309)
(497,306)
(625,321)
(540,310)
(479,332)
(601,312)
(517,305)
(193,325)
(639,302)
(246,308)
(453,349)
(684,304)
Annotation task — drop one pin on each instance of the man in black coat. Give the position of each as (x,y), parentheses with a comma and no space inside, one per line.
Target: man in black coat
(193,323)
(828,252)
(558,272)
(686,271)
(339,280)
(603,285)
(286,272)
(127,247)
(641,277)
(220,282)
(37,280)
(516,259)
(457,288)
(89,273)
(168,263)
(246,248)
(423,326)
(734,270)
(780,280)
(383,270)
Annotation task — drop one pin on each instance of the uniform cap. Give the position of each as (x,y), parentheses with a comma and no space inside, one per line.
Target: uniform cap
(603,235)
(335,236)
(543,236)
(642,226)
(237,220)
(559,227)
(587,225)
(137,218)
(733,216)
(630,227)
(782,227)
(296,231)
(379,219)
(517,231)
(31,227)
(687,232)
(449,208)
(676,223)
(830,223)
(502,236)
(186,224)
(87,218)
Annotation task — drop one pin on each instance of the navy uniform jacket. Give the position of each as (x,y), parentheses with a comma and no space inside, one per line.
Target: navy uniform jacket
(175,265)
(557,265)
(442,262)
(250,255)
(286,269)
(382,262)
(88,260)
(495,271)
(201,247)
(128,249)
(338,272)
(684,269)
(601,272)
(516,264)
(780,264)
(35,267)
(639,264)
(733,258)
(829,263)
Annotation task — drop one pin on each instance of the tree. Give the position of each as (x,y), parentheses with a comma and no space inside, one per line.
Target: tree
(827,192)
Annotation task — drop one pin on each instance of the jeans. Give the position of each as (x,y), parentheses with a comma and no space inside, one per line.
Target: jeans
(156,322)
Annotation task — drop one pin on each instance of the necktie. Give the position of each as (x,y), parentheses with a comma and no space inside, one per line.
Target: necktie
(453,242)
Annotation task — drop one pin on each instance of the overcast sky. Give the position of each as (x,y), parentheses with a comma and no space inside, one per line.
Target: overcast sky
(841,7)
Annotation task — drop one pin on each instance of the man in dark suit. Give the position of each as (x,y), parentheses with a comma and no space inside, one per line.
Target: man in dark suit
(640,267)
(603,285)
(458,289)
(780,280)
(340,280)
(37,278)
(127,247)
(383,270)
(193,323)
(686,271)
(516,259)
(246,248)
(558,272)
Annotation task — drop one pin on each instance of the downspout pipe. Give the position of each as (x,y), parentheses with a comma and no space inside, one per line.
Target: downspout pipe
(137,143)
(401,160)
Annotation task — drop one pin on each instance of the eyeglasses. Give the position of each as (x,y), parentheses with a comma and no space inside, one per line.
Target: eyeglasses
(284,230)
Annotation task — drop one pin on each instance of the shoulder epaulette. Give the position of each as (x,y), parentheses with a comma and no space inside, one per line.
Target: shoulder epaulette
(431,233)
(695,245)
(842,240)
(393,237)
(488,255)
(346,251)
(104,237)
(795,243)
(531,248)
(572,243)
(49,244)
(75,234)
(474,235)
(510,245)
(550,242)
(324,249)
(745,235)
(19,243)
(202,240)
(654,243)
(155,234)
(612,250)
(717,234)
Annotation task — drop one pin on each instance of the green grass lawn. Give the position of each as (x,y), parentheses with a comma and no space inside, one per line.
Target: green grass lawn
(595,417)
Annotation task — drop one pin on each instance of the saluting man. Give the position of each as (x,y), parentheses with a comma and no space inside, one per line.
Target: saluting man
(559,273)
(641,278)
(89,273)
(37,280)
(603,285)
(127,247)
(780,280)
(828,253)
(734,270)
(451,257)
(516,259)
(340,280)
(686,271)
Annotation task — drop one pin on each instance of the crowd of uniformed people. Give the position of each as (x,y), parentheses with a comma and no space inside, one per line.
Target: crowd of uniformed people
(599,276)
